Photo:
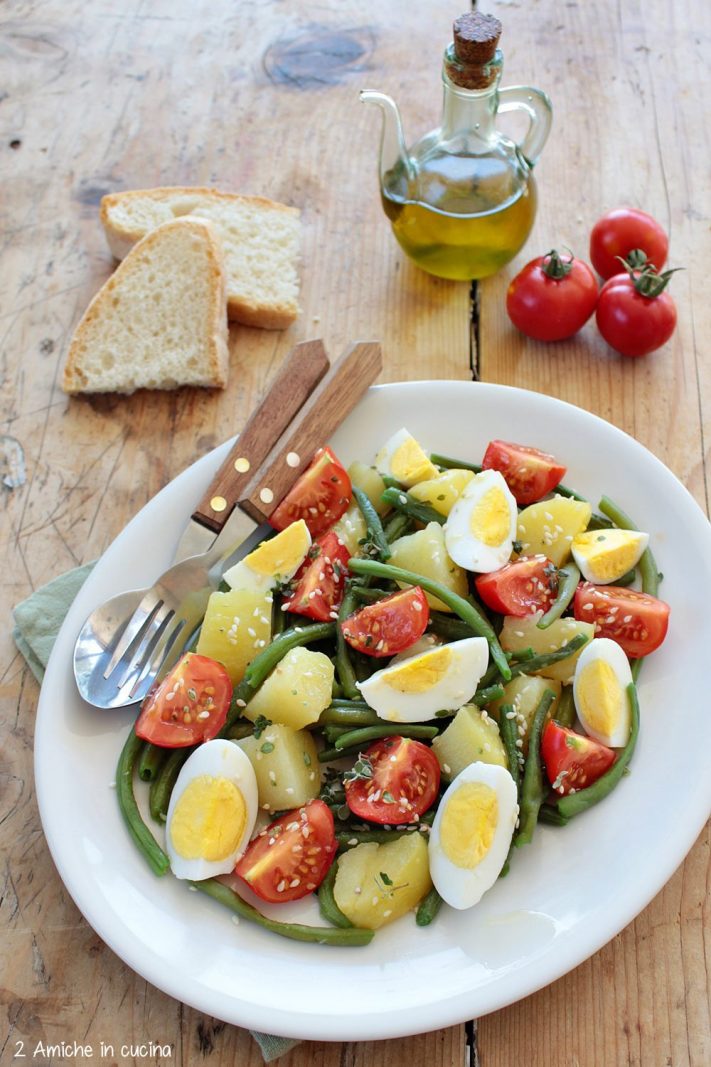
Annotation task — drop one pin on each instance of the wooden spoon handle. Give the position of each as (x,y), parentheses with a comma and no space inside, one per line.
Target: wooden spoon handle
(332,399)
(298,375)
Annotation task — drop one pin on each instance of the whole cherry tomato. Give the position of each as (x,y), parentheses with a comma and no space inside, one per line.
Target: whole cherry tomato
(626,232)
(635,314)
(552,298)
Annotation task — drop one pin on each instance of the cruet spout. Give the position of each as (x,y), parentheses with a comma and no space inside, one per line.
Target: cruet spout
(393,153)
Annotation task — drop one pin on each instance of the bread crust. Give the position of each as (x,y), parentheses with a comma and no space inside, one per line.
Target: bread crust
(122,238)
(75,380)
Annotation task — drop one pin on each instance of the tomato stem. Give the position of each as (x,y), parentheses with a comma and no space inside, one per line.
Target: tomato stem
(554,266)
(645,278)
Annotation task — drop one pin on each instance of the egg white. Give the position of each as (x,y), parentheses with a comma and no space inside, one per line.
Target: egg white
(388,461)
(469,660)
(463,546)
(217,759)
(462,887)
(608,652)
(603,556)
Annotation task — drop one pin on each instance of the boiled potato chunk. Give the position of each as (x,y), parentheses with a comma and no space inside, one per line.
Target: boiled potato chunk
(424,553)
(237,625)
(524,633)
(443,492)
(471,737)
(368,899)
(550,526)
(297,690)
(524,694)
(286,764)
(351,529)
(368,479)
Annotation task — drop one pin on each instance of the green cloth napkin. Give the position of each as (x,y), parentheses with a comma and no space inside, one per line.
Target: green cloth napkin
(37,623)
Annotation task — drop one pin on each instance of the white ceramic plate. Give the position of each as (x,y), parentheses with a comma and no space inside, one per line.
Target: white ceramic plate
(566,895)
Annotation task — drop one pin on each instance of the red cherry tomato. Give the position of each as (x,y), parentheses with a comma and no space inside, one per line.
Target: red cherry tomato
(631,323)
(321,579)
(637,621)
(572,760)
(622,231)
(319,497)
(404,784)
(290,858)
(530,474)
(552,298)
(389,625)
(189,706)
(528,584)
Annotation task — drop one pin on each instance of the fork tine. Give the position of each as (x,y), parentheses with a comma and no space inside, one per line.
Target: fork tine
(148,641)
(158,656)
(134,631)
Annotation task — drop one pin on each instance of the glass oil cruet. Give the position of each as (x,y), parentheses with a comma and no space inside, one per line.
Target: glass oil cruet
(462,201)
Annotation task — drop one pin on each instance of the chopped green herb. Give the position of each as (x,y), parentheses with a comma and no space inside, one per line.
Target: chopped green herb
(267,747)
(260,725)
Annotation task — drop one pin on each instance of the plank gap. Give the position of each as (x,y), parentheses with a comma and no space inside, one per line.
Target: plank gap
(470,1031)
(474,353)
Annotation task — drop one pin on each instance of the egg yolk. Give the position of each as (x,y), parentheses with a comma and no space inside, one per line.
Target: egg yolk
(209,819)
(409,464)
(600,697)
(609,554)
(281,554)
(490,519)
(469,823)
(421,672)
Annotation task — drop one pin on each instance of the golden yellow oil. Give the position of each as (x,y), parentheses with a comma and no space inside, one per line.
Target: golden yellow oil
(461,229)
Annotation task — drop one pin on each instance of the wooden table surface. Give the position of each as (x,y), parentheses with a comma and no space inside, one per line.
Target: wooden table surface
(263,98)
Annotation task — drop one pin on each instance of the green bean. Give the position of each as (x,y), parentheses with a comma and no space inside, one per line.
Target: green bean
(509,735)
(240,729)
(522,655)
(374,733)
(627,578)
(457,464)
(344,666)
(547,659)
(391,483)
(563,490)
(350,838)
(568,578)
(332,733)
(399,525)
(551,816)
(376,534)
(416,509)
(428,908)
(461,607)
(150,762)
(278,617)
(482,697)
(449,627)
(327,755)
(565,711)
(320,935)
(599,522)
(162,786)
(327,902)
(574,803)
(344,704)
(360,715)
(370,595)
(648,570)
(147,844)
(532,791)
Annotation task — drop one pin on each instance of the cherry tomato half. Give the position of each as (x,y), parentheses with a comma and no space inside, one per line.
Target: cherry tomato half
(638,622)
(389,625)
(530,474)
(552,298)
(290,858)
(631,323)
(189,706)
(404,783)
(528,584)
(321,579)
(319,496)
(622,231)
(572,760)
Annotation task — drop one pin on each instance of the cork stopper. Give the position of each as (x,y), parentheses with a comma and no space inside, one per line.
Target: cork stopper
(470,59)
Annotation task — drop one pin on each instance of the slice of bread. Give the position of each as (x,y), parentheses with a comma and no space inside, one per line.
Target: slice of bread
(159,321)
(260,237)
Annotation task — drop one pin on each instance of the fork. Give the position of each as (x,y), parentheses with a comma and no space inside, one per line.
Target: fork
(166,620)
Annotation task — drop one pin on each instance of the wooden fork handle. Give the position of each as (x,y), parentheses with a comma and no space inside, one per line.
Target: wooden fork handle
(296,379)
(331,401)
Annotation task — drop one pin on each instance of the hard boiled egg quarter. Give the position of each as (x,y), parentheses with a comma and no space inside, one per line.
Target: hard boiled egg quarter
(603,556)
(275,560)
(439,679)
(212,811)
(602,675)
(404,459)
(481,527)
(471,833)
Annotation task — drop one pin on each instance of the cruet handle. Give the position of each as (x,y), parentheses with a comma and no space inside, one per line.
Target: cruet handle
(537,106)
